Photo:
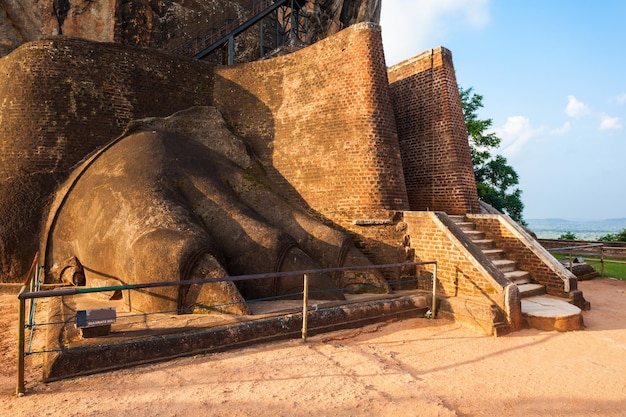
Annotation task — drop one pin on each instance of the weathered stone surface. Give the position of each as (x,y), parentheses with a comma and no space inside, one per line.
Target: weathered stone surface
(162,24)
(550,313)
(60,100)
(159,206)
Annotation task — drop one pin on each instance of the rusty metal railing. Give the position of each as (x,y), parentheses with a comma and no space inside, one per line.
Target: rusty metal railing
(25,295)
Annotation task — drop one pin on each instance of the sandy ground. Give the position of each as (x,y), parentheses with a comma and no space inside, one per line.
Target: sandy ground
(415,367)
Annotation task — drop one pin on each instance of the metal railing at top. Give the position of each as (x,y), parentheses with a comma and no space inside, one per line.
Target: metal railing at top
(207,41)
(570,251)
(35,293)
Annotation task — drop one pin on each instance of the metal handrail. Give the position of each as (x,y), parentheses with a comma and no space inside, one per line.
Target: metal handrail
(590,245)
(31,295)
(206,42)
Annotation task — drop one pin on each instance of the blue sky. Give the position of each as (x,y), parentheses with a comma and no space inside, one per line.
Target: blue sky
(552,76)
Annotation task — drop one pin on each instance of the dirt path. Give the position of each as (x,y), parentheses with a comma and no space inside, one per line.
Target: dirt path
(410,368)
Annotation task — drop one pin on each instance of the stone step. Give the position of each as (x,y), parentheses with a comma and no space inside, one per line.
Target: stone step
(505,265)
(475,234)
(545,312)
(457,218)
(484,244)
(494,254)
(530,290)
(466,226)
(519,277)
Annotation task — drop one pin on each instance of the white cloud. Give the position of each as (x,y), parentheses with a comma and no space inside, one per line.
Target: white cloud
(576,108)
(567,126)
(410,27)
(517,130)
(609,123)
(621,99)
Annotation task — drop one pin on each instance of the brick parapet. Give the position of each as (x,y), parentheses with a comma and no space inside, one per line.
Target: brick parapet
(432,134)
(460,272)
(322,123)
(529,255)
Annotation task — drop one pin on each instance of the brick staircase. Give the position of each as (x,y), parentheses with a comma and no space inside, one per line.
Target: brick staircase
(522,279)
(539,310)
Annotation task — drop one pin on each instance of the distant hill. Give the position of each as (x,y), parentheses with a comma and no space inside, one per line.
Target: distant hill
(583,229)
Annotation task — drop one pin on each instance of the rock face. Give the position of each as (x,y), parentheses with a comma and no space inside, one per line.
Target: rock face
(163,24)
(147,23)
(330,16)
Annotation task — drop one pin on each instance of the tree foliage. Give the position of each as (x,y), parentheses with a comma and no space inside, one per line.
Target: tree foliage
(612,237)
(568,236)
(496,180)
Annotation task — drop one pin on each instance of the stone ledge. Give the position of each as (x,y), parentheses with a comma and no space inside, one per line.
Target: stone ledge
(71,356)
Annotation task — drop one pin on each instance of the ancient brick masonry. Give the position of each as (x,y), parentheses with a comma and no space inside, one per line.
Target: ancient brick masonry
(488,297)
(60,99)
(321,120)
(431,130)
(70,96)
(526,258)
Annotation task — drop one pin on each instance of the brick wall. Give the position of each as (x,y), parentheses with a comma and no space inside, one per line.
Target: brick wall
(528,253)
(458,271)
(432,134)
(60,99)
(322,123)
(382,244)
(461,274)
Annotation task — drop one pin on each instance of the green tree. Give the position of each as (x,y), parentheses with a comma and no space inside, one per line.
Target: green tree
(496,180)
(567,236)
(612,237)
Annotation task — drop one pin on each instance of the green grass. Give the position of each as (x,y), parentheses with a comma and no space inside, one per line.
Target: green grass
(612,270)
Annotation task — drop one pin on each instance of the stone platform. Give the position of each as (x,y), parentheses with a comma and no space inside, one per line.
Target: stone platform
(137,339)
(551,313)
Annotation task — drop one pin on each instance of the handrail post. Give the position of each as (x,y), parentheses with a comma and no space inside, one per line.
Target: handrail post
(434,307)
(602,259)
(20,348)
(231,50)
(570,261)
(305,306)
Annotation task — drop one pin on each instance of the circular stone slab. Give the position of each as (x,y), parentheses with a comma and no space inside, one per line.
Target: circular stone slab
(550,313)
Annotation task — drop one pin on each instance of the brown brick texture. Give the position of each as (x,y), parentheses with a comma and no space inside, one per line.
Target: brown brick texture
(458,273)
(61,99)
(322,123)
(432,134)
(527,259)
